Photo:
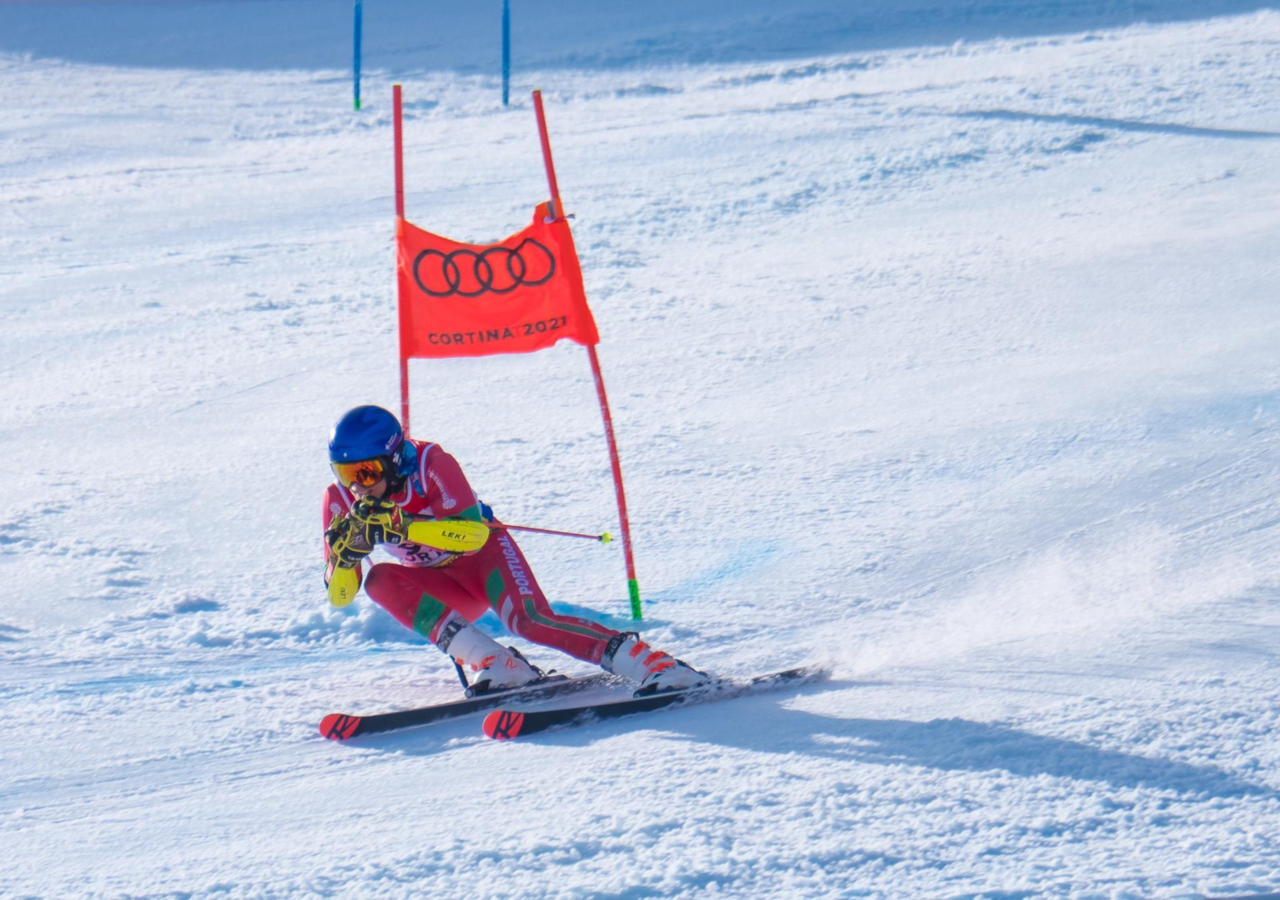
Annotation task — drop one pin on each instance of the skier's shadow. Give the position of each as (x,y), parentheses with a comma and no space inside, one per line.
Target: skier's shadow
(766,724)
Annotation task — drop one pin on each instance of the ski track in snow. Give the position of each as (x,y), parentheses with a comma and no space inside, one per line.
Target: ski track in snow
(941,347)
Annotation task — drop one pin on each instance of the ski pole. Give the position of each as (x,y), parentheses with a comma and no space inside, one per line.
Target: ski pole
(604,538)
(462,676)
(460,536)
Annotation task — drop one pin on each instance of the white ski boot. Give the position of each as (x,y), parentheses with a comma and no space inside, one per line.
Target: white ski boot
(497,668)
(502,671)
(653,670)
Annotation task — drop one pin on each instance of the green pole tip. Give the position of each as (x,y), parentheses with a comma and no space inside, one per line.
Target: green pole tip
(606,538)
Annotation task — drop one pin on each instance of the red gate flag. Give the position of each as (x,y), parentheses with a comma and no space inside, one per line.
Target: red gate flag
(516,296)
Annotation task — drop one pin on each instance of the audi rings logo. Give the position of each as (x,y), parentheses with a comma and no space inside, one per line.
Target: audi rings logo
(468,273)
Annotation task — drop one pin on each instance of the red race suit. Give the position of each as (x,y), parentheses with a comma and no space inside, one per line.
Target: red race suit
(424,583)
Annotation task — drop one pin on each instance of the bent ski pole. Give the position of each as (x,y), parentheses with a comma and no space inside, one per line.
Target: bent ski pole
(602,538)
(460,536)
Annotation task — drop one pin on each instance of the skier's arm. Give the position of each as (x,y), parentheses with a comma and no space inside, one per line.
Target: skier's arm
(342,546)
(337,503)
(449,494)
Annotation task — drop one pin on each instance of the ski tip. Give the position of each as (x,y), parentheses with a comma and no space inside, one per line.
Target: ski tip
(503,724)
(339,727)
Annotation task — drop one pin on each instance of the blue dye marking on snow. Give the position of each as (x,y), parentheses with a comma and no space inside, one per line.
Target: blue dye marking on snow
(1248,407)
(617,621)
(1252,411)
(491,625)
(749,559)
(200,680)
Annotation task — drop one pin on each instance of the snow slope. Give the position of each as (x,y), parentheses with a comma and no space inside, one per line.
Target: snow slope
(941,344)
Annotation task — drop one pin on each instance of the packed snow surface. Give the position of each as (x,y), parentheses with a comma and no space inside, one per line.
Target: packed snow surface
(941,339)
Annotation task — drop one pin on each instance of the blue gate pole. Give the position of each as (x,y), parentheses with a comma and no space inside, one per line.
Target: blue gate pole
(356,57)
(506,51)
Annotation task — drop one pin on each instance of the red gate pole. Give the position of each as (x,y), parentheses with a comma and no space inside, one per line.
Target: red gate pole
(397,117)
(557,212)
(397,108)
(633,586)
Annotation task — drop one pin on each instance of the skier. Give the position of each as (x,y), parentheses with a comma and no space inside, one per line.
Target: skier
(439,593)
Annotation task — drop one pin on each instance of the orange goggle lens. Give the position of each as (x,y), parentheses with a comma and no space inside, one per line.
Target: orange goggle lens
(365,473)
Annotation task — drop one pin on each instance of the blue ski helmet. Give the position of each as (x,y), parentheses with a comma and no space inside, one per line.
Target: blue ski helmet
(366,432)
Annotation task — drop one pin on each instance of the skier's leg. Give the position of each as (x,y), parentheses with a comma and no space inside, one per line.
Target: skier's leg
(654,670)
(507,582)
(512,590)
(428,601)
(419,598)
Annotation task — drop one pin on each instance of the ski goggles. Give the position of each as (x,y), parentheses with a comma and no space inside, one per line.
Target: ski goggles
(366,472)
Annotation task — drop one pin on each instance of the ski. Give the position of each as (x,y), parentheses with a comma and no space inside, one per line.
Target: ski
(343,726)
(505,724)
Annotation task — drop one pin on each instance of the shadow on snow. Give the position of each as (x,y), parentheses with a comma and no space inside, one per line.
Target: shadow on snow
(948,745)
(955,745)
(1009,115)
